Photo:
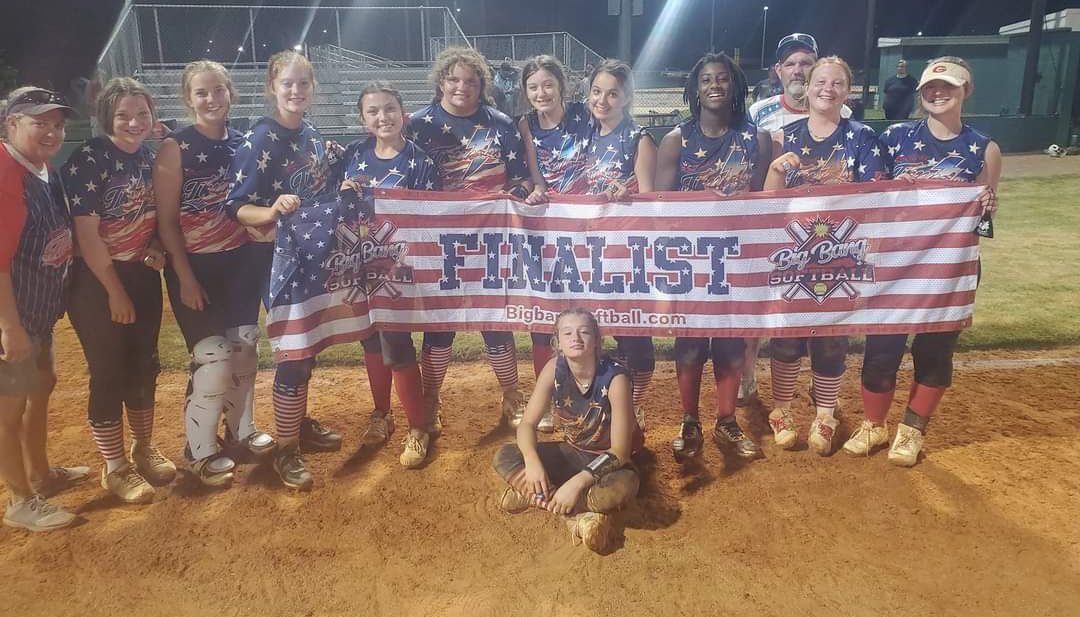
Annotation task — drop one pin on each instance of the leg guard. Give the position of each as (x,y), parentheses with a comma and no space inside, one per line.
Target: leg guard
(240,396)
(211,377)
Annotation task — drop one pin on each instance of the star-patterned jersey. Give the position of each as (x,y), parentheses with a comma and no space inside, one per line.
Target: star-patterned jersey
(272,161)
(35,242)
(612,156)
(912,151)
(585,418)
(851,154)
(725,164)
(204,221)
(410,169)
(104,181)
(773,114)
(558,149)
(480,153)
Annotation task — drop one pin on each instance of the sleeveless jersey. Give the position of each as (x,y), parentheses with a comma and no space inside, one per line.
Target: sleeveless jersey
(612,156)
(558,149)
(585,419)
(725,164)
(204,221)
(410,169)
(912,151)
(851,154)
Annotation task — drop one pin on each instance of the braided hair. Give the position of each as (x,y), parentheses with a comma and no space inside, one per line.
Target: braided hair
(738,85)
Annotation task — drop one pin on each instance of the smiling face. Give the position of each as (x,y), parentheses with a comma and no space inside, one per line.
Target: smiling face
(461,90)
(607,98)
(576,337)
(382,115)
(132,121)
(209,97)
(38,138)
(793,72)
(293,89)
(828,89)
(714,87)
(543,92)
(940,98)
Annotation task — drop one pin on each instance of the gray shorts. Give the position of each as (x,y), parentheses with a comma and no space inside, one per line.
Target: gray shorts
(24,378)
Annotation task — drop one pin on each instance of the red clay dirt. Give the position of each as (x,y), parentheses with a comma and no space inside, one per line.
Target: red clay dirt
(984,525)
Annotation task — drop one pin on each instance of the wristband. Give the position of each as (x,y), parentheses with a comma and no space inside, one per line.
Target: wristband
(603,465)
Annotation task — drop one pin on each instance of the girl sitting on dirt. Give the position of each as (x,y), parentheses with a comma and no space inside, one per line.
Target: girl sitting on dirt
(941,147)
(588,475)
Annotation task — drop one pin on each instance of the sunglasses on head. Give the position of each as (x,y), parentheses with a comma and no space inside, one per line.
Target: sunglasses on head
(38,97)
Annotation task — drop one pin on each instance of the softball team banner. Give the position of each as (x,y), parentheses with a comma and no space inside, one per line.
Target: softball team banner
(886,257)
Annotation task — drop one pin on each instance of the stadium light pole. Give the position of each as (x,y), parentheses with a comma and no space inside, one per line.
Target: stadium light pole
(764,25)
(712,29)
(868,48)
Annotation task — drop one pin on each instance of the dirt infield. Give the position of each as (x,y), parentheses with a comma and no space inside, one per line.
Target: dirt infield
(985,525)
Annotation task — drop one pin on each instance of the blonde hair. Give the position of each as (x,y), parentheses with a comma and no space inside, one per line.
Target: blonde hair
(468,58)
(111,95)
(204,66)
(827,60)
(282,59)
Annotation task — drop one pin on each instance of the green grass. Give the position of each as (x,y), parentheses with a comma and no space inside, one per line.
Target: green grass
(1022,302)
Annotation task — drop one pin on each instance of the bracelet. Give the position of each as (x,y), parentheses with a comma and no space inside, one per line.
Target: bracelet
(603,465)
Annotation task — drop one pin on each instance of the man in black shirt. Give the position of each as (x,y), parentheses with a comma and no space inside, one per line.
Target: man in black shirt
(899,93)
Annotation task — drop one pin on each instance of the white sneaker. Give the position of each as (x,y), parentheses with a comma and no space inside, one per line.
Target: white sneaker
(822,430)
(36,514)
(783,427)
(906,447)
(867,438)
(416,449)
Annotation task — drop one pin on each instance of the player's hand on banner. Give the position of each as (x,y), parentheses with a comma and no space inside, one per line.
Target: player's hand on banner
(193,295)
(785,163)
(617,191)
(154,258)
(536,197)
(538,484)
(15,344)
(334,150)
(121,308)
(285,204)
(988,200)
(566,497)
(350,185)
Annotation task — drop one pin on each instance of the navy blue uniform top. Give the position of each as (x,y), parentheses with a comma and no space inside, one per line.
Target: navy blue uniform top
(559,149)
(37,243)
(585,418)
(912,151)
(725,163)
(851,154)
(272,161)
(612,156)
(480,153)
(204,220)
(410,169)
(104,181)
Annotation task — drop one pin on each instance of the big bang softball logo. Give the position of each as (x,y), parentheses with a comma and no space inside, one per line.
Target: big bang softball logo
(825,258)
(366,259)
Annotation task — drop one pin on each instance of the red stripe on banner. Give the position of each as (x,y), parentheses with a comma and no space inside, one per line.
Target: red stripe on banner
(683,307)
(672,225)
(337,311)
(302,353)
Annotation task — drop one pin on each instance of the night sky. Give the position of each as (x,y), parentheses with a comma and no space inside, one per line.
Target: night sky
(54,41)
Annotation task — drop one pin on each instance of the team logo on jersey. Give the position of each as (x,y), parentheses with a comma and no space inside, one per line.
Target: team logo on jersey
(951,167)
(205,192)
(366,259)
(826,257)
(58,249)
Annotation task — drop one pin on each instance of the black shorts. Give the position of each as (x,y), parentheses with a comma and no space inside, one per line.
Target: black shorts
(24,378)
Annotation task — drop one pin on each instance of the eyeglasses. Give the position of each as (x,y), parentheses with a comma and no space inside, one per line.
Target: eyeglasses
(38,97)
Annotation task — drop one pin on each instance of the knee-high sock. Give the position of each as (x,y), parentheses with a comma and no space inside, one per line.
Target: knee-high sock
(434,361)
(784,376)
(826,391)
(407,383)
(925,399)
(503,362)
(379,379)
(876,405)
(110,443)
(541,355)
(640,381)
(290,407)
(689,378)
(141,423)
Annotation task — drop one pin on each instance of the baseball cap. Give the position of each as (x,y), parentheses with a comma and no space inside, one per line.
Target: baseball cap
(793,42)
(948,72)
(36,102)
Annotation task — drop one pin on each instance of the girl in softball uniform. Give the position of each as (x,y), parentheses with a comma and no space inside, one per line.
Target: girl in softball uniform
(213,295)
(939,146)
(588,474)
(717,149)
(385,159)
(116,287)
(824,148)
(279,163)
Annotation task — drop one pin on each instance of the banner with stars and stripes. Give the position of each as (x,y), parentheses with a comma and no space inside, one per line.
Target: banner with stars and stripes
(861,258)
